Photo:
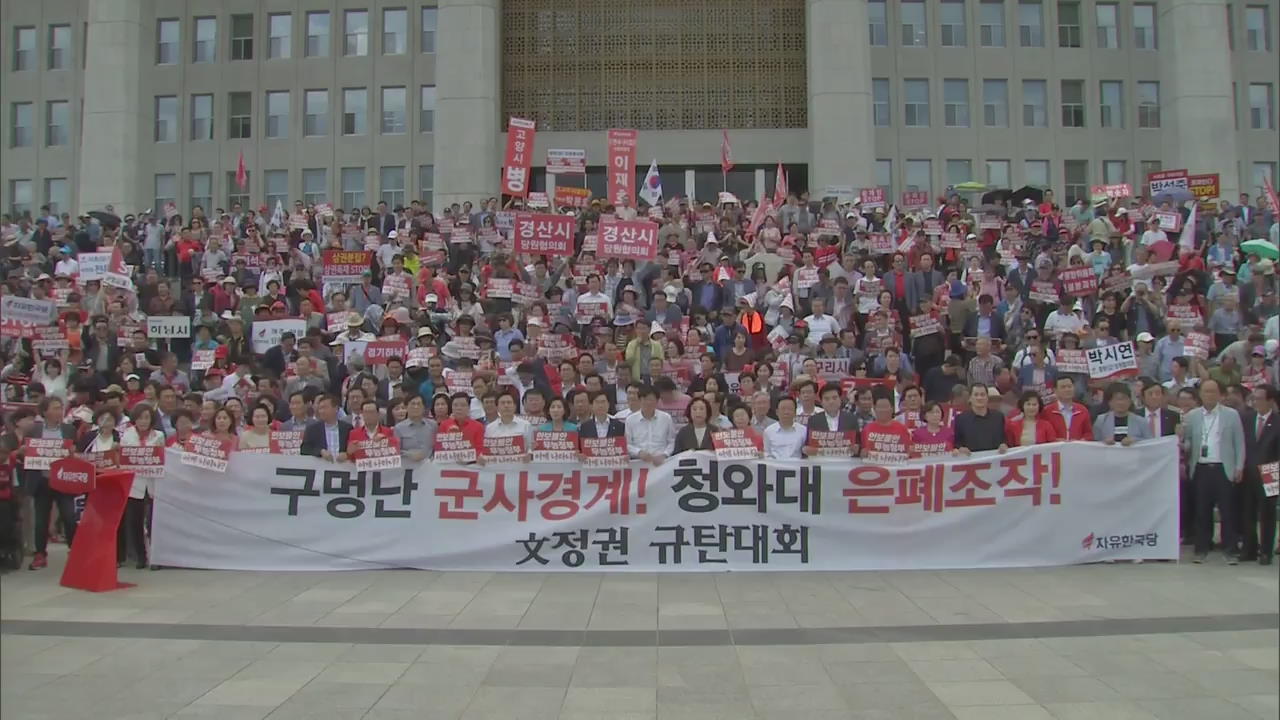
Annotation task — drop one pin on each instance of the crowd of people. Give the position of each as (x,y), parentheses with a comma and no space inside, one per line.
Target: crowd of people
(946,329)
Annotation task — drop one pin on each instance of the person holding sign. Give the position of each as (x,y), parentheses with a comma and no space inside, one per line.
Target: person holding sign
(932,438)
(1261,446)
(833,417)
(51,426)
(785,438)
(1120,424)
(651,434)
(327,437)
(257,436)
(601,425)
(509,424)
(1031,427)
(558,412)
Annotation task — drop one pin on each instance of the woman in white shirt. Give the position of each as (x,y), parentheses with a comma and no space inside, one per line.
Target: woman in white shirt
(143,432)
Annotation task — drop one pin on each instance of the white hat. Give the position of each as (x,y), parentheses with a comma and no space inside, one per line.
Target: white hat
(534,322)
(1122,211)
(657,330)
(432,297)
(392,234)
(1028,201)
(1145,337)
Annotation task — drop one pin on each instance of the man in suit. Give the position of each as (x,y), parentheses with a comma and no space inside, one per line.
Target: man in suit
(895,276)
(1164,422)
(1118,424)
(833,418)
(987,322)
(1261,445)
(920,284)
(384,222)
(278,357)
(50,426)
(327,437)
(600,425)
(1215,442)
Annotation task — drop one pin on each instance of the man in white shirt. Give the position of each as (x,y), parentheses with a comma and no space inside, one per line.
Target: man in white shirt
(509,424)
(651,434)
(820,324)
(1063,320)
(592,296)
(785,439)
(1153,234)
(64,265)
(633,403)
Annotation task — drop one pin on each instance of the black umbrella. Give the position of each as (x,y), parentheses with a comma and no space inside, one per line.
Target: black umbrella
(1035,194)
(107,219)
(995,197)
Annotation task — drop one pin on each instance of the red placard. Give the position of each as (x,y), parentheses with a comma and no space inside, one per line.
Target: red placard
(1206,187)
(622,167)
(504,449)
(344,265)
(208,452)
(574,197)
(519,160)
(1079,281)
(499,288)
(72,476)
(881,243)
(544,234)
(912,199)
(40,453)
(831,443)
(142,460)
(378,352)
(380,452)
(927,324)
(566,161)
(555,446)
(285,442)
(604,452)
(871,198)
(453,447)
(632,239)
(738,444)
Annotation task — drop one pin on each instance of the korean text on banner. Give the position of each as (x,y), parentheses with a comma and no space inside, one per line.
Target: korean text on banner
(1112,360)
(871,198)
(93,266)
(518,163)
(1206,187)
(1057,504)
(16,308)
(632,239)
(566,162)
(1158,182)
(1110,192)
(1079,281)
(544,234)
(164,327)
(622,167)
(574,197)
(344,266)
(266,333)
(914,199)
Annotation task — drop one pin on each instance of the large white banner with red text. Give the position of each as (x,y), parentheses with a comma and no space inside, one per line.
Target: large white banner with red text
(1046,505)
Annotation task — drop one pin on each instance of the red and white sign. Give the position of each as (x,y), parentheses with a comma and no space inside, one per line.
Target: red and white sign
(604,452)
(1158,182)
(504,449)
(381,452)
(1111,192)
(496,288)
(1043,291)
(1198,345)
(93,266)
(208,452)
(1079,281)
(586,311)
(927,324)
(544,234)
(1118,359)
(378,352)
(831,443)
(118,274)
(881,243)
(914,199)
(39,453)
(1068,360)
(1206,187)
(1169,220)
(72,476)
(25,310)
(555,446)
(202,359)
(566,162)
(574,197)
(344,266)
(452,447)
(737,444)
(142,460)
(622,167)
(871,198)
(49,338)
(1270,473)
(629,239)
(518,163)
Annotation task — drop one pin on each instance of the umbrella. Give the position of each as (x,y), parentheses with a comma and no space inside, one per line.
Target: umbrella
(1035,194)
(970,186)
(1177,196)
(995,197)
(107,219)
(1262,248)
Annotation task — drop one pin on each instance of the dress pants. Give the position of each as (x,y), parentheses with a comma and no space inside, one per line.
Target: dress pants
(45,498)
(1258,509)
(1213,488)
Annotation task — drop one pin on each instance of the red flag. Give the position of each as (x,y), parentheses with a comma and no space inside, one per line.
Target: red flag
(757,218)
(242,175)
(726,152)
(1271,195)
(780,187)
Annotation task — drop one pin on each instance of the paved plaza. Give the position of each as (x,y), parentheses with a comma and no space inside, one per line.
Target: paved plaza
(1156,640)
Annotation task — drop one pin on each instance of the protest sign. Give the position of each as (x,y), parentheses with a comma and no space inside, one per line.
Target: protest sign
(93,266)
(634,240)
(1162,180)
(926,324)
(1044,291)
(566,161)
(1115,360)
(737,444)
(622,167)
(16,308)
(555,446)
(1070,360)
(142,460)
(881,243)
(544,234)
(1198,345)
(503,449)
(871,198)
(266,333)
(380,452)
(285,442)
(49,338)
(604,452)
(518,162)
(164,327)
(452,447)
(1206,187)
(207,452)
(1270,473)
(914,199)
(344,266)
(39,453)
(832,368)
(378,352)
(831,444)
(573,197)
(1079,281)
(1119,191)
(1169,220)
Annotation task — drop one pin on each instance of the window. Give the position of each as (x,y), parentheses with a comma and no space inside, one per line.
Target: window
(1108,20)
(995,103)
(998,174)
(1260,112)
(1035,101)
(279,36)
(277,114)
(315,183)
(24,54)
(200,186)
(235,193)
(166,187)
(991,23)
(391,185)
(427,113)
(393,111)
(878,22)
(355,32)
(55,194)
(1030,23)
(426,183)
(239,116)
(1113,172)
(915,29)
(959,171)
(1111,104)
(884,176)
(880,107)
(1148,104)
(1075,185)
(1069,24)
(951,17)
(241,37)
(1259,173)
(205,49)
(166,119)
(57,123)
(395,23)
(955,103)
(317,34)
(918,176)
(1073,103)
(20,197)
(1257,29)
(59,47)
(21,125)
(201,117)
(354,111)
(352,188)
(916,109)
(275,185)
(315,113)
(430,23)
(1144,27)
(168,39)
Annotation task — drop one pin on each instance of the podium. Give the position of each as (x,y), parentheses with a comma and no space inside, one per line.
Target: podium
(91,563)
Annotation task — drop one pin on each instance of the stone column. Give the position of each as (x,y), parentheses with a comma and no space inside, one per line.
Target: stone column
(1196,92)
(110,171)
(839,65)
(468,150)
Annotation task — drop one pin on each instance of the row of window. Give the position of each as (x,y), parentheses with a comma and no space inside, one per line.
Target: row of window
(954,20)
(58,44)
(352,187)
(317,41)
(1035,104)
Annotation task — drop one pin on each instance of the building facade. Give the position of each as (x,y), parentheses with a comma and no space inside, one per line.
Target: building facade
(136,103)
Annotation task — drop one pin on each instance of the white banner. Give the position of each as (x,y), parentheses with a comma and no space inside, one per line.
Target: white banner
(16,308)
(161,327)
(93,266)
(1115,359)
(1046,505)
(266,333)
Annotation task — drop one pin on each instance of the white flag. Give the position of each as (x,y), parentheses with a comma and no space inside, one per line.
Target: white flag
(1188,239)
(652,190)
(278,217)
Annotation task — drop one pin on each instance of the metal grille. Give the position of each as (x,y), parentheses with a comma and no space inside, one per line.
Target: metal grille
(655,64)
